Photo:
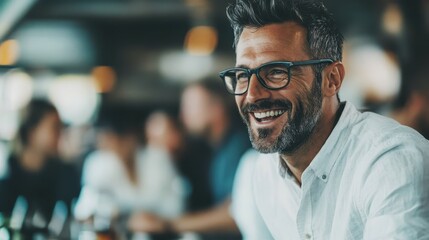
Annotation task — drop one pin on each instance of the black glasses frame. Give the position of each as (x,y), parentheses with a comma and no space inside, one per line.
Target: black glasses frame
(256,71)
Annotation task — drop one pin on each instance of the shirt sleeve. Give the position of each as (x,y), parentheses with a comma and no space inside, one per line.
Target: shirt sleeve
(394,195)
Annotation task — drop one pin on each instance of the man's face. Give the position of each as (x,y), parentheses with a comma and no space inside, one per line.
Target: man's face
(296,108)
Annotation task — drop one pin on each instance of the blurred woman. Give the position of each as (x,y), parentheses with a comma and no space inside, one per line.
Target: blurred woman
(34,170)
(123,178)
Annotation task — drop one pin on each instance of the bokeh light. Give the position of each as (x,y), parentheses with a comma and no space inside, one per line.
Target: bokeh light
(76,98)
(104,78)
(201,40)
(9,52)
(17,89)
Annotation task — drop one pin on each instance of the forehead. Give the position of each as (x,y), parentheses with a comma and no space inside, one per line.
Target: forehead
(273,42)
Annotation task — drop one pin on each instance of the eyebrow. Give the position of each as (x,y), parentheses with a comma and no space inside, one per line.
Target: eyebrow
(246,66)
(242,66)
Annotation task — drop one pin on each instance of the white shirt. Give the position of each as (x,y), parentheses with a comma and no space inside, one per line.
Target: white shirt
(370,180)
(243,208)
(159,189)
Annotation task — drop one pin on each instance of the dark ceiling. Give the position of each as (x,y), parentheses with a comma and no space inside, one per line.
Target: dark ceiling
(130,35)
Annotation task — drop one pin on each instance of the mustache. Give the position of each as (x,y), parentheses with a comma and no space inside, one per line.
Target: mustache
(266,105)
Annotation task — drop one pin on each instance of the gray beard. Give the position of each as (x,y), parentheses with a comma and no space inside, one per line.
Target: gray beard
(296,131)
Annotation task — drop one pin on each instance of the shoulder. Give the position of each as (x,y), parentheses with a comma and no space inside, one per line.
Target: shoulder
(155,162)
(381,145)
(101,158)
(266,170)
(380,129)
(245,168)
(373,135)
(392,162)
(153,155)
(99,166)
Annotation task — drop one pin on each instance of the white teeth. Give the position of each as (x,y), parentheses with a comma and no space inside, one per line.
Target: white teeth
(261,115)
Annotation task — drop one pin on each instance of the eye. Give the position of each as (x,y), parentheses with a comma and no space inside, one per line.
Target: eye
(277,74)
(241,76)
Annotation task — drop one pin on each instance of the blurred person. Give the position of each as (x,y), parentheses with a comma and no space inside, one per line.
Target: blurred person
(190,156)
(126,176)
(206,111)
(34,170)
(328,171)
(163,132)
(411,107)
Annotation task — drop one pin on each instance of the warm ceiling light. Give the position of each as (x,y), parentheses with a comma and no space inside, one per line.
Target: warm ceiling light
(392,19)
(18,89)
(75,97)
(104,78)
(201,40)
(196,3)
(9,51)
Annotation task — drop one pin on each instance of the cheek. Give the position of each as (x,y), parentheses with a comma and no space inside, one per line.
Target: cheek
(43,138)
(299,96)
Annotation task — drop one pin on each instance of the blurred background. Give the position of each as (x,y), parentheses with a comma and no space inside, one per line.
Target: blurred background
(86,56)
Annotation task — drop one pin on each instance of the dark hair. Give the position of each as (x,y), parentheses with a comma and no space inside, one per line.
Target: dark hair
(324,39)
(30,117)
(119,120)
(323,36)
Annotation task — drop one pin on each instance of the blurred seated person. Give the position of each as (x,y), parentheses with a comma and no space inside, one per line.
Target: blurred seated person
(34,170)
(207,111)
(162,132)
(411,107)
(125,176)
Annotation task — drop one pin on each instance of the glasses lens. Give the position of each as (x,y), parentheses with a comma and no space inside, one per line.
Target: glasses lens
(236,81)
(275,75)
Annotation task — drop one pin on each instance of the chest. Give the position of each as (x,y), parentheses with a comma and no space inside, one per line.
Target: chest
(317,210)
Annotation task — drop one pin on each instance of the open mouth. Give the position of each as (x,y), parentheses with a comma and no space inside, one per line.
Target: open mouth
(267,115)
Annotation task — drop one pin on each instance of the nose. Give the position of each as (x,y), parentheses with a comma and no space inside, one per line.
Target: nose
(256,91)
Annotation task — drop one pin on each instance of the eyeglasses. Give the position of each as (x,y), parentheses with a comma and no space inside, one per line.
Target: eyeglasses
(272,75)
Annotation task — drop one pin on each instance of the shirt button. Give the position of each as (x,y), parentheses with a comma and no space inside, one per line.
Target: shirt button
(324,176)
(307,236)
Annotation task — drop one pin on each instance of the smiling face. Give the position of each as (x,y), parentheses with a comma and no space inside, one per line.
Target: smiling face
(278,120)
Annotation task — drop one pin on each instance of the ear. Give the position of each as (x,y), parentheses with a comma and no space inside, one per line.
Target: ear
(333,76)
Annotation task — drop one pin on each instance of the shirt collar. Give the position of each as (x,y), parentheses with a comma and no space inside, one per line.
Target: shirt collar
(325,159)
(327,156)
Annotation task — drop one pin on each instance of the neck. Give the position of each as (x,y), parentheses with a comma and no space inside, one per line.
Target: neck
(32,160)
(300,159)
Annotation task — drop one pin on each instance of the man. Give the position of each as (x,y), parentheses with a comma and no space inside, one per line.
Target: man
(329,172)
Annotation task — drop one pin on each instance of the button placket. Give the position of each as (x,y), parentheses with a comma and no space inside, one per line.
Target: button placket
(304,218)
